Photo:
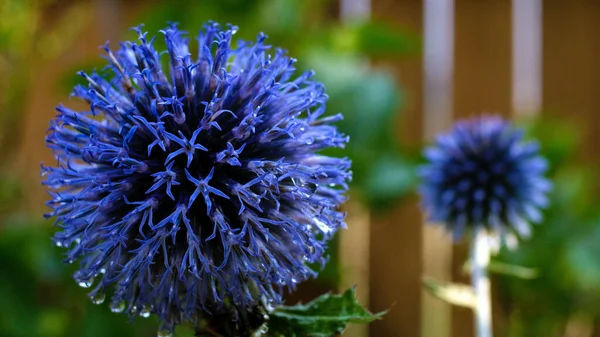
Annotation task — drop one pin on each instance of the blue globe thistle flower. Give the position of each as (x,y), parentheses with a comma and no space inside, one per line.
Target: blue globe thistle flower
(481,174)
(196,191)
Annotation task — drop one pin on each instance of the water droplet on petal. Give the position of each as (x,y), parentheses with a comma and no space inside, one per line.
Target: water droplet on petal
(145,313)
(268,304)
(98,298)
(322,226)
(85,283)
(117,307)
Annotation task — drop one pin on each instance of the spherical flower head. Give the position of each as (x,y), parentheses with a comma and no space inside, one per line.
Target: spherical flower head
(482,174)
(196,190)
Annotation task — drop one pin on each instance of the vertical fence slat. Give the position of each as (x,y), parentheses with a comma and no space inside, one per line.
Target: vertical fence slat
(438,68)
(526,57)
(355,10)
(396,236)
(438,54)
(571,81)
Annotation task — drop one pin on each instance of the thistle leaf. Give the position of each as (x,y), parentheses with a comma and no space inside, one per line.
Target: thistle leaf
(325,316)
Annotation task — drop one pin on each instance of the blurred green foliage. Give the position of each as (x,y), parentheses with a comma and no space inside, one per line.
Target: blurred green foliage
(564,249)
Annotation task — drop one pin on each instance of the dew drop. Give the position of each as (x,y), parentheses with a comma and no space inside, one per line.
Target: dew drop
(86,283)
(98,298)
(322,226)
(145,313)
(268,304)
(117,307)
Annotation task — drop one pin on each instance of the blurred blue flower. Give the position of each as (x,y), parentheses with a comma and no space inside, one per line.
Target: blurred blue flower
(194,187)
(481,173)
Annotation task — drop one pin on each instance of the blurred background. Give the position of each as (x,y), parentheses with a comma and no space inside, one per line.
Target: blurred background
(400,71)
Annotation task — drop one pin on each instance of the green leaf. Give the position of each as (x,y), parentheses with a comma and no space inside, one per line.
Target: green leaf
(323,317)
(513,270)
(583,258)
(503,268)
(391,176)
(453,293)
(375,39)
(368,99)
(281,16)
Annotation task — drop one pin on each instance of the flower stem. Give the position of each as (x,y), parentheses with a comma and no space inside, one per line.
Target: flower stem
(480,258)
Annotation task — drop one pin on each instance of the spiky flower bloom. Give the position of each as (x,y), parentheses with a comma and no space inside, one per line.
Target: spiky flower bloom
(196,191)
(482,173)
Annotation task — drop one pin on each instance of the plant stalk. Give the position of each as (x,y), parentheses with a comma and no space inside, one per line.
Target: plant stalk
(480,258)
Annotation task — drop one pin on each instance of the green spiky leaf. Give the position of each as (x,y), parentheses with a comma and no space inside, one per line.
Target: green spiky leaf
(325,316)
